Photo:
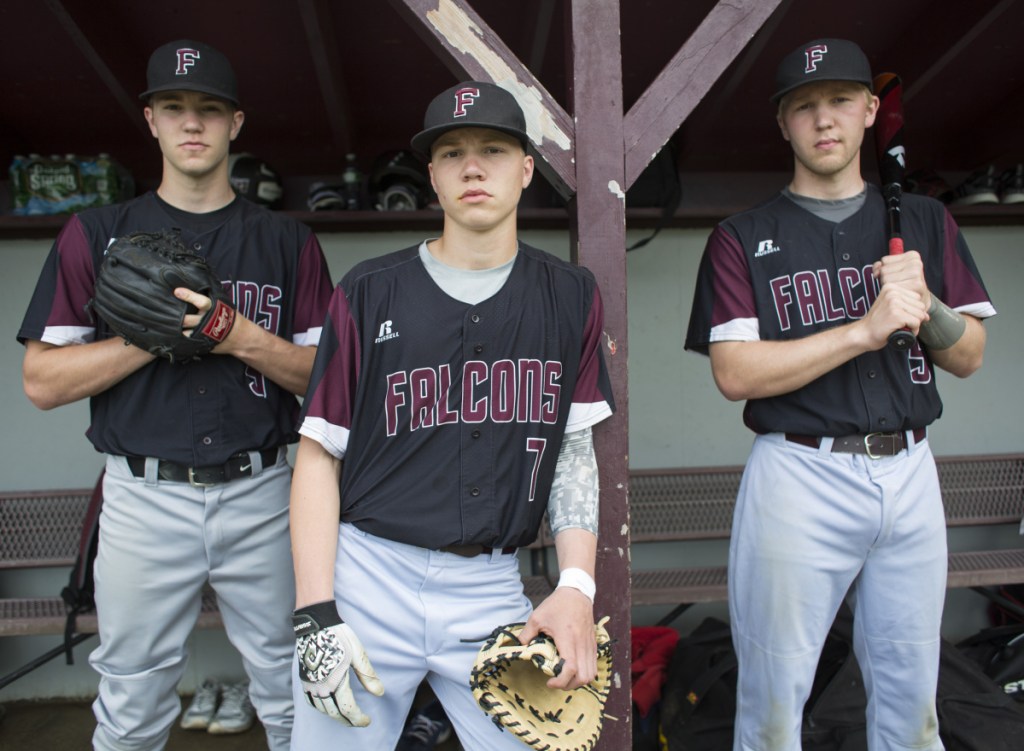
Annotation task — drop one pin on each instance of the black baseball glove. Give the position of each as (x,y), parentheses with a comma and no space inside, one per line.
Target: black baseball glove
(135,296)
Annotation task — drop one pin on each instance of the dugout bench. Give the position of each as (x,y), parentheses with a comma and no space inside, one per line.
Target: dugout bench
(42,529)
(683,505)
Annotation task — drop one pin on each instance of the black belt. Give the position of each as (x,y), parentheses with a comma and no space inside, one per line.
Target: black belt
(237,466)
(874,445)
(472,551)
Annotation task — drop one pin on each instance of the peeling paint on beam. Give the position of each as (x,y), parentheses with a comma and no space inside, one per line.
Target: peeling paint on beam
(459,31)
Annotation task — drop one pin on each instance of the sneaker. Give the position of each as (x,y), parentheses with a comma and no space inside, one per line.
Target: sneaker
(427,728)
(1011,185)
(979,187)
(235,713)
(202,708)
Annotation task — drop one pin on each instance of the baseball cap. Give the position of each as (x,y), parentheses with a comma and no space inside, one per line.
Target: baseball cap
(188,65)
(821,60)
(471,104)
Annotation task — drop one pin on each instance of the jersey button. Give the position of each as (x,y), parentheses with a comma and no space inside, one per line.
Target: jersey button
(201,389)
(475,318)
(846,256)
(207,441)
(478,348)
(882,421)
(474,492)
(197,246)
(871,374)
(475,434)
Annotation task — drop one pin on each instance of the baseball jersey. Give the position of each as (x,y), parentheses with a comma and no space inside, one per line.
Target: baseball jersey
(450,416)
(197,413)
(778,272)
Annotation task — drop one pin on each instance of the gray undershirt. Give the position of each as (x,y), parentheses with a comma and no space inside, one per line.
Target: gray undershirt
(470,286)
(830,211)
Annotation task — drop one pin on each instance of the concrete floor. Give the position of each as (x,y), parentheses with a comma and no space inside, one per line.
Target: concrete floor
(68,726)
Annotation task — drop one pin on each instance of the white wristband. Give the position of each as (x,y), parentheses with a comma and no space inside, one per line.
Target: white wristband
(579,579)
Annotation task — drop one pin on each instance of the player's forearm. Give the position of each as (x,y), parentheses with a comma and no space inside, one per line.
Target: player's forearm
(576,548)
(54,376)
(964,357)
(314,514)
(286,364)
(761,369)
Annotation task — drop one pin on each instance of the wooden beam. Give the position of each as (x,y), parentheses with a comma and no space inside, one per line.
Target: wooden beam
(131,105)
(688,77)
(472,50)
(598,236)
(316,20)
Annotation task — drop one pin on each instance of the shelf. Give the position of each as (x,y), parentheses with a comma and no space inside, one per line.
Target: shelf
(323,222)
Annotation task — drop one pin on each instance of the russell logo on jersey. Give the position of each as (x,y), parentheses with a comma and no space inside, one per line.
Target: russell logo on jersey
(385,332)
(765,247)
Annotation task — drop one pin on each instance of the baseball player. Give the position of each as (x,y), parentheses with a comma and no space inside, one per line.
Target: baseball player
(197,482)
(450,405)
(795,301)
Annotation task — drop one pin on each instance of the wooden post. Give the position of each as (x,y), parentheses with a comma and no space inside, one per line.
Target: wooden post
(598,233)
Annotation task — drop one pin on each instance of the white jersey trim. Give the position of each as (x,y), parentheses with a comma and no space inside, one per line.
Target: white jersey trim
(736,330)
(584,415)
(978,309)
(333,438)
(63,335)
(309,338)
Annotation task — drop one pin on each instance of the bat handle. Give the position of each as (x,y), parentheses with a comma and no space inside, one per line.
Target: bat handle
(901,340)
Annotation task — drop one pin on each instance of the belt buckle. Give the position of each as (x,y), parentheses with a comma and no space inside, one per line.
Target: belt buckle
(878,434)
(195,483)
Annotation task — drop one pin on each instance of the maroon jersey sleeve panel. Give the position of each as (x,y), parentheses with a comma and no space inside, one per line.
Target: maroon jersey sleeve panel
(962,287)
(312,294)
(592,399)
(732,288)
(724,292)
(327,410)
(58,311)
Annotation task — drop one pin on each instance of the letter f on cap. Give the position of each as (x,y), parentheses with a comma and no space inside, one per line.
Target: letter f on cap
(186,59)
(464,98)
(814,55)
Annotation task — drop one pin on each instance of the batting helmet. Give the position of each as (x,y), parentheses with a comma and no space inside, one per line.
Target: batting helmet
(256,180)
(399,182)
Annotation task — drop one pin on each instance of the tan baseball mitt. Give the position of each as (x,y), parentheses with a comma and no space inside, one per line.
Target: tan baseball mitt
(509,681)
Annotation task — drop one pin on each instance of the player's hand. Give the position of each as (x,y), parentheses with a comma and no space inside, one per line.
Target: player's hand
(904,269)
(327,647)
(567,616)
(896,307)
(201,303)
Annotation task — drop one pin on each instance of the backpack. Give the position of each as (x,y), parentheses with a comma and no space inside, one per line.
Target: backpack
(658,186)
(698,701)
(80,591)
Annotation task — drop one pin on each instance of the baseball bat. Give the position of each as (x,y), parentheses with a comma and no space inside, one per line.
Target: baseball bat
(891,166)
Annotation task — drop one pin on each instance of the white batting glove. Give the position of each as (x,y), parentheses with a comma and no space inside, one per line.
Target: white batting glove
(327,647)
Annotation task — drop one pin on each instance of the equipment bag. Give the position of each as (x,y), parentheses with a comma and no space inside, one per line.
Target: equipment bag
(999,652)
(834,716)
(975,712)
